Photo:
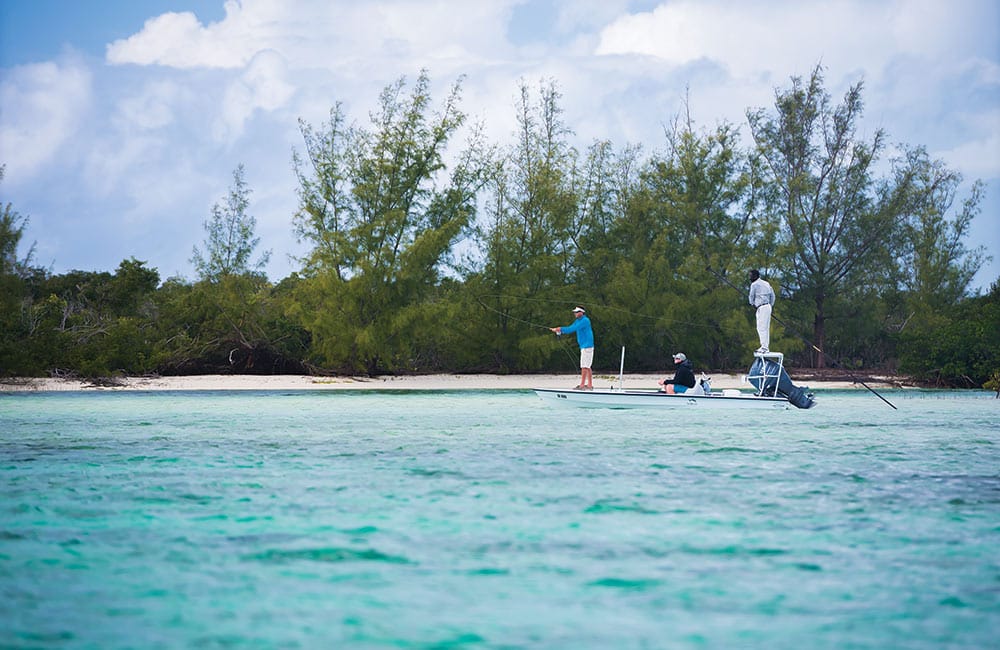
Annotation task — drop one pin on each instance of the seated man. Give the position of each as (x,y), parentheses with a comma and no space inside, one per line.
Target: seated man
(683,376)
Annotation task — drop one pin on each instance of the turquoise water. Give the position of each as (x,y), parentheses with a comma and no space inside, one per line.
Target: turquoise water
(487,519)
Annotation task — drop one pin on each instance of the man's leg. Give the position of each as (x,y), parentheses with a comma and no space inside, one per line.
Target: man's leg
(764,326)
(586,361)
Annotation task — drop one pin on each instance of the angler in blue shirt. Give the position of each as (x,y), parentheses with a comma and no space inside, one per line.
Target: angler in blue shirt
(585,338)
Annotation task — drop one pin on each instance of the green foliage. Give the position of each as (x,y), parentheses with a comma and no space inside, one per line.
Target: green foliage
(837,221)
(93,324)
(939,266)
(12,225)
(957,347)
(382,216)
(16,272)
(874,270)
(231,236)
(531,234)
(235,325)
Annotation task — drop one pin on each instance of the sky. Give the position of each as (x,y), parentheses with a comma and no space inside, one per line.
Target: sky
(122,121)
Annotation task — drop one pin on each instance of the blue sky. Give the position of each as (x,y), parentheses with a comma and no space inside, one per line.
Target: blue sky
(121,121)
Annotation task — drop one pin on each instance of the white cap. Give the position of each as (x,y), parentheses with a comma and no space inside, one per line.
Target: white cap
(579,309)
(681,356)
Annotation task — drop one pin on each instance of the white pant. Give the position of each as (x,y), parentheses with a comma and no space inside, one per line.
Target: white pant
(764,325)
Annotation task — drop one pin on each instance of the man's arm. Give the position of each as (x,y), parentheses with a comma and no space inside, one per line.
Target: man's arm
(569,329)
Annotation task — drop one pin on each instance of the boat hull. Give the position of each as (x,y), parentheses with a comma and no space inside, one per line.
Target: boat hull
(650,399)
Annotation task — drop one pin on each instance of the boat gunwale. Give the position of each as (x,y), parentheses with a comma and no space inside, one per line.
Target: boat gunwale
(584,396)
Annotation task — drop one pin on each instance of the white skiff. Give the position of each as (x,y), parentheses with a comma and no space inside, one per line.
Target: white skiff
(654,399)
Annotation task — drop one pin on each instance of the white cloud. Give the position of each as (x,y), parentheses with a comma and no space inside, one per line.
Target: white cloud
(178,40)
(758,37)
(265,78)
(41,106)
(152,108)
(978,157)
(319,33)
(112,163)
(183,102)
(262,85)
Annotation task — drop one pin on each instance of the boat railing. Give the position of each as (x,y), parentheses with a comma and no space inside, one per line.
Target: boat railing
(778,366)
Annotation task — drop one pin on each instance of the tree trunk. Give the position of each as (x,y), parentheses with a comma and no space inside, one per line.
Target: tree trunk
(819,332)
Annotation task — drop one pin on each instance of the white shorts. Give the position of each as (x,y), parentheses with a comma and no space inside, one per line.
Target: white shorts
(586,357)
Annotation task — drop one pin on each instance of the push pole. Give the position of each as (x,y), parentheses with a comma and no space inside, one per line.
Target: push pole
(621,371)
(811,344)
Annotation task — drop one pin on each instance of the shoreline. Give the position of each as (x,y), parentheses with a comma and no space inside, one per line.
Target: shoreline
(387,382)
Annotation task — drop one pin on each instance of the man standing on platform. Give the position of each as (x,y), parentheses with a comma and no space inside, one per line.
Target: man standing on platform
(762,298)
(585,339)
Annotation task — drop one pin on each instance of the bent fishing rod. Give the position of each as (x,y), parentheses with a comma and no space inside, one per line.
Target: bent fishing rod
(809,343)
(482,304)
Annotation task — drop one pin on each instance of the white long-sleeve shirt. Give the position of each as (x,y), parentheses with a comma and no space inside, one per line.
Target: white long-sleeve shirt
(761,293)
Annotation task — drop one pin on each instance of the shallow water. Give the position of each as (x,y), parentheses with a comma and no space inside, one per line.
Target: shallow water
(487,519)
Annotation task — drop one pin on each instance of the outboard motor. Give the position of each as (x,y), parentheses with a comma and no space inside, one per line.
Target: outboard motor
(765,373)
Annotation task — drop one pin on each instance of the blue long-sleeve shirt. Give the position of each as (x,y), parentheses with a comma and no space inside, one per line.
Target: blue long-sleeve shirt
(584,332)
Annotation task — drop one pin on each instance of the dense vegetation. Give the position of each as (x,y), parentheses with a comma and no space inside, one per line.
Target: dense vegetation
(426,256)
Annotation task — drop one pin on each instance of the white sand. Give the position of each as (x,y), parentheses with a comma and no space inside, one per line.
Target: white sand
(423,382)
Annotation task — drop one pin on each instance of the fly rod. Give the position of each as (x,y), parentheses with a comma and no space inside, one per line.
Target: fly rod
(809,343)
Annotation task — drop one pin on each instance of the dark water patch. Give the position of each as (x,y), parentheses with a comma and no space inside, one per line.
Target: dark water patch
(728,450)
(361,530)
(734,551)
(155,593)
(609,506)
(333,555)
(458,642)
(263,538)
(152,500)
(46,637)
(435,473)
(626,584)
(9,536)
(434,495)
(198,498)
(488,571)
(79,513)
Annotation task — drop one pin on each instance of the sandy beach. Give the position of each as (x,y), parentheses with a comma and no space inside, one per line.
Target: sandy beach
(420,382)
